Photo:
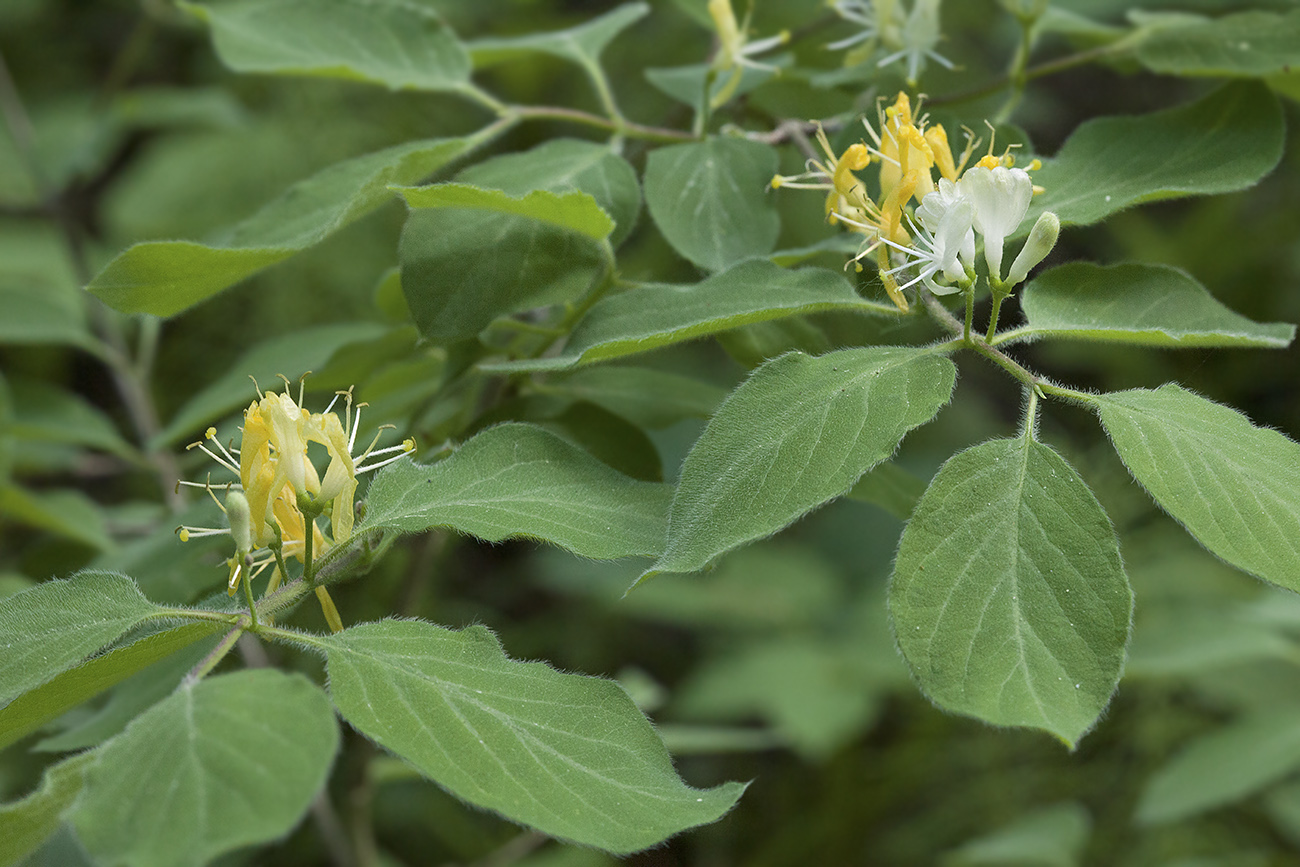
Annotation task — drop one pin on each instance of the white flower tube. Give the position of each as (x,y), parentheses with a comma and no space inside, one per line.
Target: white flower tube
(1001,199)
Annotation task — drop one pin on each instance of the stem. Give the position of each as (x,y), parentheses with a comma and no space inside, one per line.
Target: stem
(970,313)
(1011,336)
(248,595)
(307,545)
(622,127)
(939,312)
(1031,413)
(998,298)
(196,614)
(209,662)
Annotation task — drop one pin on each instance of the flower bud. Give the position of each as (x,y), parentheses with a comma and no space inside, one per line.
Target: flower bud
(1042,238)
(241,521)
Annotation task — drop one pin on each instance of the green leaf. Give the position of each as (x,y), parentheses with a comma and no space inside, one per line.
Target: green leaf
(53,626)
(573,211)
(26,824)
(1225,141)
(291,355)
(64,511)
(166,277)
(1235,487)
(710,199)
(519,480)
(1051,837)
(1224,766)
(564,165)
(1152,305)
(1254,44)
(46,413)
(458,273)
(463,268)
(31,710)
(686,83)
(1009,599)
(799,432)
(224,762)
(566,754)
(658,315)
(401,45)
(646,397)
(582,44)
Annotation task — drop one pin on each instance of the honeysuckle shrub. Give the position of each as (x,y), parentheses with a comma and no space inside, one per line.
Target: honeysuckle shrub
(816,380)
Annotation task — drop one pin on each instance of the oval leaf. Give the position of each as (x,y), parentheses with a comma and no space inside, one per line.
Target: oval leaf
(398,44)
(51,627)
(1152,305)
(569,755)
(166,277)
(660,315)
(582,44)
(709,199)
(1246,44)
(222,763)
(29,822)
(799,432)
(1008,598)
(1225,141)
(519,480)
(1235,487)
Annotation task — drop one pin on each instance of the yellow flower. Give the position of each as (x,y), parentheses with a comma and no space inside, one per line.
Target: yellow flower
(282,489)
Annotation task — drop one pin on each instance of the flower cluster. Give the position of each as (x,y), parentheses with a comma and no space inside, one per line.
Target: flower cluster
(905,34)
(923,225)
(280,492)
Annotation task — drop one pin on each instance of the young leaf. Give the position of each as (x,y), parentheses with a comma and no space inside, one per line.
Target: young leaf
(582,44)
(223,762)
(709,199)
(1152,305)
(1008,598)
(569,755)
(29,822)
(401,45)
(519,480)
(1235,487)
(166,277)
(1225,141)
(1252,44)
(1224,766)
(34,708)
(663,314)
(51,627)
(799,432)
(573,211)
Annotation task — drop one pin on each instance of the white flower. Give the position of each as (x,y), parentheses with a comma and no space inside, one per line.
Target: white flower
(1001,198)
(861,13)
(939,250)
(936,206)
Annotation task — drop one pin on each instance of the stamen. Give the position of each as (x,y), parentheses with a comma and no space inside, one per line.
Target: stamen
(212,435)
(260,393)
(356,424)
(302,386)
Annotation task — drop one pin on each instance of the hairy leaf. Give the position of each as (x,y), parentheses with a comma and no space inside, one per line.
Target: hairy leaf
(517,480)
(569,755)
(223,762)
(658,315)
(573,211)
(401,45)
(582,44)
(1153,305)
(799,432)
(48,629)
(709,199)
(29,822)
(1008,598)
(166,277)
(1252,44)
(1235,487)
(1223,142)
